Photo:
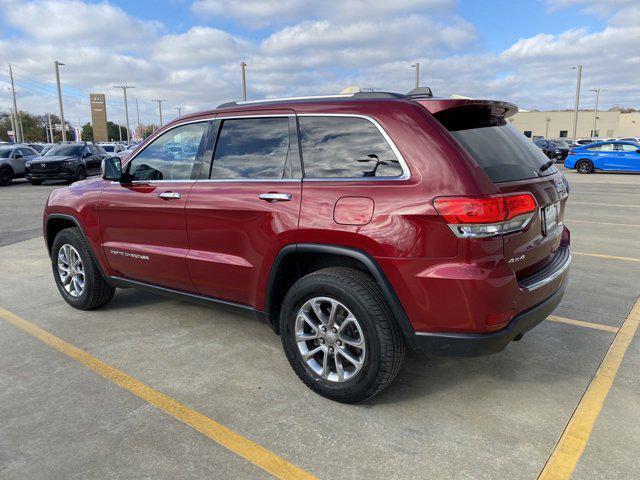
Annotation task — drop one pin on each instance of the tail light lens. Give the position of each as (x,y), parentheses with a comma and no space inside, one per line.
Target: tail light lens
(571,152)
(478,217)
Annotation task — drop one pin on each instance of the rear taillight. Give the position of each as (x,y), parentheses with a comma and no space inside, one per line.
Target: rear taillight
(571,152)
(478,217)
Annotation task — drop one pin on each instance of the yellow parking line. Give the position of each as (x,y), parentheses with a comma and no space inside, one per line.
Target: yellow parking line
(603,204)
(612,257)
(602,223)
(251,451)
(580,323)
(573,441)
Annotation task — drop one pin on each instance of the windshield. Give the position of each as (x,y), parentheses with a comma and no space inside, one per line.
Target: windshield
(5,152)
(503,153)
(64,150)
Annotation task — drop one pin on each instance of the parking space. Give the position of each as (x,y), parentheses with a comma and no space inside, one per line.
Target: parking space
(492,417)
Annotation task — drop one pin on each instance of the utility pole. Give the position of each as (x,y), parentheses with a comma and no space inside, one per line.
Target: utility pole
(159,108)
(138,117)
(575,112)
(50,128)
(243,66)
(17,133)
(179,110)
(79,131)
(126,107)
(120,131)
(417,67)
(62,124)
(13,125)
(595,113)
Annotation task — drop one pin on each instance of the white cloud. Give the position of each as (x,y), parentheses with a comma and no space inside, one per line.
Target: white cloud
(308,50)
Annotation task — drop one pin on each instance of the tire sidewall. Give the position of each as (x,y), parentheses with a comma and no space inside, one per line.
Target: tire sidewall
(73,237)
(319,288)
(6,177)
(584,162)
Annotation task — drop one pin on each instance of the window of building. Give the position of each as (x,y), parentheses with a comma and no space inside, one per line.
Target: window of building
(595,133)
(527,133)
(252,148)
(564,133)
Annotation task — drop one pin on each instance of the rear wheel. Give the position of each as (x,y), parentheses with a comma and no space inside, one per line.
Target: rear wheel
(6,177)
(584,166)
(339,335)
(76,274)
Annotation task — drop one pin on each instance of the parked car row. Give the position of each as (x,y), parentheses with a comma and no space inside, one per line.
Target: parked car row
(70,161)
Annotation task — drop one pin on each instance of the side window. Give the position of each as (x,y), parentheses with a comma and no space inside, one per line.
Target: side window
(597,148)
(607,147)
(94,150)
(171,156)
(628,148)
(86,150)
(345,147)
(252,148)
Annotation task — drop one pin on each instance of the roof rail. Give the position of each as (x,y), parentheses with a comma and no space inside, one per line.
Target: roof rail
(312,98)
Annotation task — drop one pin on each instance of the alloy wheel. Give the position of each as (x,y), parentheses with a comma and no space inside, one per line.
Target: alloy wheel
(330,339)
(71,270)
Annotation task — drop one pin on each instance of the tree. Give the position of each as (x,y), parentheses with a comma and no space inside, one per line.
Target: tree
(87,132)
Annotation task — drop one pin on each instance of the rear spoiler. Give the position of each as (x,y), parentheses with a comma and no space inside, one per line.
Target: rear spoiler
(494,108)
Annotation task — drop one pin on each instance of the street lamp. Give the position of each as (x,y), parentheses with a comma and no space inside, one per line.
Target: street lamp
(595,113)
(64,129)
(546,132)
(417,67)
(243,66)
(575,112)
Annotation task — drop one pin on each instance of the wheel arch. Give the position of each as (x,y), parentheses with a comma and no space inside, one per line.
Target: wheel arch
(295,261)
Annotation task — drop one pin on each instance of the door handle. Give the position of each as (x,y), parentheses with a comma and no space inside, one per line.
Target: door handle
(275,197)
(169,195)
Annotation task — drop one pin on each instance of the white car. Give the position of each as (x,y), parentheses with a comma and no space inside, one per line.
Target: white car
(113,148)
(630,139)
(127,151)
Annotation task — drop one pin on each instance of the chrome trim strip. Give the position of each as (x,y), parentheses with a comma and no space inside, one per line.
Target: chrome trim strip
(541,283)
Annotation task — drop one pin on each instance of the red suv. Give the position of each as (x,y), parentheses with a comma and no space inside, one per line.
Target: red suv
(354,225)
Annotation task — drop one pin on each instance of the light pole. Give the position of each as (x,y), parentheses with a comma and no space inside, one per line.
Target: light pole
(595,113)
(64,130)
(17,134)
(50,127)
(546,131)
(138,118)
(243,66)
(575,112)
(159,108)
(417,67)
(126,108)
(179,110)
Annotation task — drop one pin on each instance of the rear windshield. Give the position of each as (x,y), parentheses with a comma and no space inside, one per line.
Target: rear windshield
(504,154)
(109,148)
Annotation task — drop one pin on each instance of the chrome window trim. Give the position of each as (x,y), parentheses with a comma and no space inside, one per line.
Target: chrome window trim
(406,173)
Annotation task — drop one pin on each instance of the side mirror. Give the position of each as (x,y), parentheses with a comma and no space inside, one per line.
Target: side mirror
(111,169)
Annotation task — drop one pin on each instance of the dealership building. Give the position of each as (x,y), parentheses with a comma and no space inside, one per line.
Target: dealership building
(559,124)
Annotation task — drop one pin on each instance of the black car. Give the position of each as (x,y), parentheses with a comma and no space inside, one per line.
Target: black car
(554,149)
(69,161)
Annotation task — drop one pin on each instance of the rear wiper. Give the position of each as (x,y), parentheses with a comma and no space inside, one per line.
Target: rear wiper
(547,165)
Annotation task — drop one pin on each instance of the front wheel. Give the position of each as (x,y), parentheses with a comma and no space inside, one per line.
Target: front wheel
(584,166)
(6,177)
(76,273)
(339,335)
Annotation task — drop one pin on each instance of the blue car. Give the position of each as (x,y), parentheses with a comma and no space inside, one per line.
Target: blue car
(615,156)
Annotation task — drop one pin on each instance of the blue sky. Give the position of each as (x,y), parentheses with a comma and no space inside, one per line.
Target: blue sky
(188,51)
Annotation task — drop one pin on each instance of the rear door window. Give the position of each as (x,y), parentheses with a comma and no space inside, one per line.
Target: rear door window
(345,147)
(502,152)
(252,148)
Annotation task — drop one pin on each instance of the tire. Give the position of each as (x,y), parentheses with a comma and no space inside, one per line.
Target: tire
(383,350)
(6,176)
(95,292)
(35,182)
(81,174)
(584,166)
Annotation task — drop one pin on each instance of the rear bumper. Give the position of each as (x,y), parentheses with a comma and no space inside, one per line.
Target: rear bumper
(477,344)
